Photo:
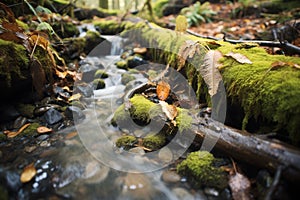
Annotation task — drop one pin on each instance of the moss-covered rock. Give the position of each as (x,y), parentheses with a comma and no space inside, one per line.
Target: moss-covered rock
(98,83)
(154,142)
(122,64)
(200,171)
(126,78)
(101,74)
(65,29)
(31,130)
(126,142)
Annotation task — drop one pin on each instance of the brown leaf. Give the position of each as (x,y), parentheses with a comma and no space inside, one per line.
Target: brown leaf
(169,110)
(240,186)
(187,50)
(278,64)
(38,77)
(239,57)
(12,134)
(28,173)
(162,90)
(43,129)
(71,135)
(209,71)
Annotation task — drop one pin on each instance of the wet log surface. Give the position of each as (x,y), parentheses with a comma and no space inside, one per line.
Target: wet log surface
(241,145)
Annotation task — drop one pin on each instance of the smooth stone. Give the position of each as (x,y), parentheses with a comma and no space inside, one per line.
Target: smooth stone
(73,112)
(134,61)
(52,116)
(211,191)
(170,176)
(29,149)
(183,194)
(13,181)
(88,72)
(19,122)
(85,90)
(165,155)
(137,150)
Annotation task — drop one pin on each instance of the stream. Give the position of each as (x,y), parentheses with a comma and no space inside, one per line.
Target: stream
(82,162)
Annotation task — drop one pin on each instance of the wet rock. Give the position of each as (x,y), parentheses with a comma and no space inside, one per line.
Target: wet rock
(98,84)
(134,61)
(52,116)
(183,194)
(73,112)
(165,155)
(137,150)
(19,122)
(29,149)
(95,172)
(71,172)
(211,191)
(42,137)
(88,71)
(84,89)
(122,64)
(170,177)
(13,182)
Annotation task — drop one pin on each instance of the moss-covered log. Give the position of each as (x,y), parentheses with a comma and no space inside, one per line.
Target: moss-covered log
(262,95)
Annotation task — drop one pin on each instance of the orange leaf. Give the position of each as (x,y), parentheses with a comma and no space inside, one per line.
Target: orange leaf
(28,173)
(12,134)
(43,129)
(163,90)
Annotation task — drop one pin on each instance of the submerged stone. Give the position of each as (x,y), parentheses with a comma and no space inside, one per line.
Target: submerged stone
(100,74)
(126,78)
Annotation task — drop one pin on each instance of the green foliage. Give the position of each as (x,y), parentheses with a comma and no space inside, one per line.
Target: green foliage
(126,142)
(198,13)
(200,171)
(159,6)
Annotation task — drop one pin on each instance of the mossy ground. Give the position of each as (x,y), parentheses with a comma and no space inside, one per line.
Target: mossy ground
(126,142)
(199,169)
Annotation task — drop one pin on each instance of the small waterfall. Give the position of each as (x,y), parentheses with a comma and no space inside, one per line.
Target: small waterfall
(116,44)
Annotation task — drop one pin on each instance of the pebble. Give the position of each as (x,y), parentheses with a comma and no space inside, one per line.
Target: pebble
(29,149)
(170,176)
(43,137)
(137,150)
(19,122)
(52,116)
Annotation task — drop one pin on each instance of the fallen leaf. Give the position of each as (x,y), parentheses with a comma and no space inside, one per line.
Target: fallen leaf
(169,110)
(187,50)
(43,129)
(28,173)
(240,186)
(278,64)
(209,71)
(163,90)
(239,57)
(12,134)
(71,135)
(75,97)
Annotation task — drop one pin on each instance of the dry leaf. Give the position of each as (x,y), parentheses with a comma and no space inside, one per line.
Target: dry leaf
(209,71)
(187,50)
(43,129)
(278,64)
(163,90)
(61,74)
(239,57)
(28,173)
(12,134)
(169,110)
(75,97)
(240,186)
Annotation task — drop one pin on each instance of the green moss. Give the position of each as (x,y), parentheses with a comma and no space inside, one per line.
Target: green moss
(98,83)
(154,142)
(26,110)
(13,59)
(126,142)
(126,78)
(140,109)
(122,64)
(65,29)
(109,27)
(183,120)
(159,6)
(199,169)
(31,130)
(22,25)
(100,74)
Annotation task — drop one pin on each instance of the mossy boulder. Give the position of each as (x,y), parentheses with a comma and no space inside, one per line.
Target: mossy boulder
(142,111)
(126,142)
(122,64)
(199,168)
(100,74)
(98,83)
(154,142)
(65,29)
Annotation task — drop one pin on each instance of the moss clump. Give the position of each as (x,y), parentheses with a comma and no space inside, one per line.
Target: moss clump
(65,29)
(183,120)
(126,142)
(126,78)
(122,64)
(154,142)
(140,109)
(98,83)
(159,6)
(12,65)
(100,74)
(31,130)
(199,169)
(26,110)
(109,27)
